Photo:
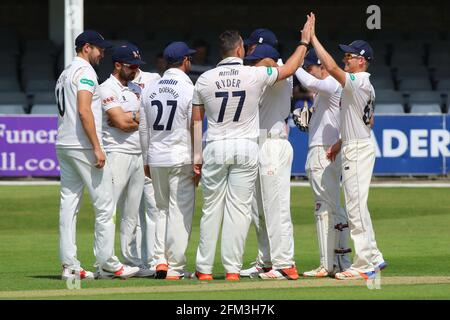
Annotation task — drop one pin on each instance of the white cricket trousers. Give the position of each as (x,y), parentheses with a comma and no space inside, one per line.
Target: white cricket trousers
(151,231)
(128,182)
(77,171)
(175,199)
(228,181)
(358,159)
(324,177)
(273,199)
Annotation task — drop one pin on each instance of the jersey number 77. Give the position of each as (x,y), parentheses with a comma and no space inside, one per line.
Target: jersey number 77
(225,95)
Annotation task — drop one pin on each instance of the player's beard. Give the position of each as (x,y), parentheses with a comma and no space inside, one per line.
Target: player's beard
(127,77)
(94,60)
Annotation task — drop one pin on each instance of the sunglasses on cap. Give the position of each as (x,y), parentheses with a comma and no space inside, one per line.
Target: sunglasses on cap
(131,66)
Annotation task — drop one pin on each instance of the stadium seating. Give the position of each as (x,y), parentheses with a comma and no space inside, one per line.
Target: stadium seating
(44,103)
(444,84)
(404,62)
(389,102)
(413,78)
(380,83)
(10,43)
(9,76)
(12,103)
(9,84)
(439,54)
(409,53)
(427,102)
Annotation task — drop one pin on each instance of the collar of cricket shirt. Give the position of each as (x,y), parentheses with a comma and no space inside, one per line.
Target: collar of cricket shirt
(230,61)
(86,63)
(138,77)
(121,86)
(178,73)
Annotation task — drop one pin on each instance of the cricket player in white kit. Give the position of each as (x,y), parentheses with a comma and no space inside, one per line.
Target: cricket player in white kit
(325,175)
(274,174)
(358,152)
(263,261)
(83,162)
(149,216)
(121,104)
(168,106)
(229,94)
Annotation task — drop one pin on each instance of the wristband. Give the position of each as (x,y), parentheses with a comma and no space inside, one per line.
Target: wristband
(303,43)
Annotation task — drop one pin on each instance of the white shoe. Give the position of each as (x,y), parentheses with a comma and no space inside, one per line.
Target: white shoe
(352,274)
(280,274)
(319,272)
(145,272)
(185,275)
(124,272)
(81,274)
(254,271)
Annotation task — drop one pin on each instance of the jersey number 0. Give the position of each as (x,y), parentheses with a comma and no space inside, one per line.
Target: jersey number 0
(60,101)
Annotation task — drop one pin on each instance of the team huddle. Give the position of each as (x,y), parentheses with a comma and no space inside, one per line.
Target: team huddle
(138,144)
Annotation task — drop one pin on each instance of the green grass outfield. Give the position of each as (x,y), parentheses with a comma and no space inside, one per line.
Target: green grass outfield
(411,227)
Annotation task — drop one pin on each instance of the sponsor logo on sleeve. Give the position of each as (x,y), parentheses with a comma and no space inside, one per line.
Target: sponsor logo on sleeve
(108,100)
(352,77)
(269,71)
(87,81)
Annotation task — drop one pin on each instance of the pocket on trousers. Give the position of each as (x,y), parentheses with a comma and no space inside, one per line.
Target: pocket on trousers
(349,153)
(313,162)
(323,162)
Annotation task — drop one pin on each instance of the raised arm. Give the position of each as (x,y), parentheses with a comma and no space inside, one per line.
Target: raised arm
(326,59)
(312,83)
(296,59)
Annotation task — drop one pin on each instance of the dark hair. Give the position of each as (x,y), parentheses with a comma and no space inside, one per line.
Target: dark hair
(78,49)
(175,64)
(228,41)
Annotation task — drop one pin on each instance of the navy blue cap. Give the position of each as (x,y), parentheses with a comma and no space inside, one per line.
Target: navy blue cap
(92,37)
(311,58)
(176,51)
(263,51)
(127,53)
(260,36)
(359,47)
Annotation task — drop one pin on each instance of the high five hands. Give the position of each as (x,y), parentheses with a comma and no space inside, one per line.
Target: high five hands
(309,29)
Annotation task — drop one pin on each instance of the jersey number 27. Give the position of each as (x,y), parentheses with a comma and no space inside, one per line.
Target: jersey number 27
(160,127)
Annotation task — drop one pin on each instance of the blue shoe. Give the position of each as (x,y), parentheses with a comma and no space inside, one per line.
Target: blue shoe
(381,266)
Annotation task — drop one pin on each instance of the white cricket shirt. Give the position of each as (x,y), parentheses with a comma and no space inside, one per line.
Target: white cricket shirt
(167,108)
(116,95)
(325,121)
(357,104)
(275,106)
(78,76)
(144,79)
(230,94)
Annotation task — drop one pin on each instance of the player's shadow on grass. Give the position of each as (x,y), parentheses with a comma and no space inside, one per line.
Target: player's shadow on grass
(49,277)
